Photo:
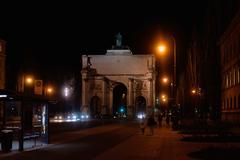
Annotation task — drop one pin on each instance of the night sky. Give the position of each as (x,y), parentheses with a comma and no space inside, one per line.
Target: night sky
(48,39)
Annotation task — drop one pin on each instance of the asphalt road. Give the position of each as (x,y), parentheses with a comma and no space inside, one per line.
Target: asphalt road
(55,128)
(79,144)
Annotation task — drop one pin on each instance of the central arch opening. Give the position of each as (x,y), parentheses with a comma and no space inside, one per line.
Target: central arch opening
(120,100)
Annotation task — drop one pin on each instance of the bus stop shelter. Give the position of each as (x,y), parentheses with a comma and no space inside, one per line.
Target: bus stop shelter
(25,117)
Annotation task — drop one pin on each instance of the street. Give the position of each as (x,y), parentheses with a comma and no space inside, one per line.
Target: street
(85,144)
(118,141)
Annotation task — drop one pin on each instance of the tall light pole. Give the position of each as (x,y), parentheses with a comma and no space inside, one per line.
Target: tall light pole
(174,67)
(162,50)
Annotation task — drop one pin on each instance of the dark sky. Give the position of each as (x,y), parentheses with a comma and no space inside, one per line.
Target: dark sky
(49,38)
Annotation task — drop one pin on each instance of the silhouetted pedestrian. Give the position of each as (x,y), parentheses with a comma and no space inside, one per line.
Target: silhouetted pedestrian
(160,117)
(142,127)
(151,123)
(168,120)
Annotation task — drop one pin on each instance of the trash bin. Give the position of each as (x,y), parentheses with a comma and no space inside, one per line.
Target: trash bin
(7,137)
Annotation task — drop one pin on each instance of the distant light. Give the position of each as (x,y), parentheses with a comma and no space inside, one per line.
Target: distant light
(193,91)
(141,115)
(161,49)
(49,90)
(3,95)
(29,80)
(163,96)
(165,80)
(121,110)
(74,117)
(66,92)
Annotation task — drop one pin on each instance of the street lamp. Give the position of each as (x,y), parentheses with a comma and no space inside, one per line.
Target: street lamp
(174,67)
(49,91)
(165,80)
(162,49)
(29,80)
(193,91)
(28,86)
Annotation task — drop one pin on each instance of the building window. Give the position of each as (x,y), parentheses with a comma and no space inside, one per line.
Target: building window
(227,81)
(225,106)
(230,103)
(234,76)
(235,102)
(230,80)
(227,103)
(239,101)
(238,78)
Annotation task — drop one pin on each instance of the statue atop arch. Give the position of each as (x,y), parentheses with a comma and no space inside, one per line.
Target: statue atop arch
(119,40)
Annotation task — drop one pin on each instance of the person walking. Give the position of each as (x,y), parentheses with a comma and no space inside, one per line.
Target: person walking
(151,124)
(168,120)
(142,127)
(160,118)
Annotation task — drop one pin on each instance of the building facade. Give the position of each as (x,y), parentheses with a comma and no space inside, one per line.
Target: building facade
(2,64)
(118,82)
(2,73)
(202,62)
(230,71)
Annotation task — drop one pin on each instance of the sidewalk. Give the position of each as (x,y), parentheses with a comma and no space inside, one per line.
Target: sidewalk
(165,144)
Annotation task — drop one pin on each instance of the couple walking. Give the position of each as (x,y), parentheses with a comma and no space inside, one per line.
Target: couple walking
(150,123)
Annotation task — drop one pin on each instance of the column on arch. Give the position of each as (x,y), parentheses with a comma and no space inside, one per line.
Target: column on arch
(85,93)
(111,100)
(150,97)
(130,97)
(105,109)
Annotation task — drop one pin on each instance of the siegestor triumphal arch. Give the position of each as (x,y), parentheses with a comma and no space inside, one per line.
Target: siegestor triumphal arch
(118,81)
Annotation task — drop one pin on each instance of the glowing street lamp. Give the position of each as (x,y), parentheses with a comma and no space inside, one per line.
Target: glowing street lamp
(49,90)
(29,80)
(193,91)
(161,48)
(27,84)
(165,80)
(163,96)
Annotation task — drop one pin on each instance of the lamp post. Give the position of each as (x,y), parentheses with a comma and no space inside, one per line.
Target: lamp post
(28,85)
(162,49)
(49,91)
(174,68)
